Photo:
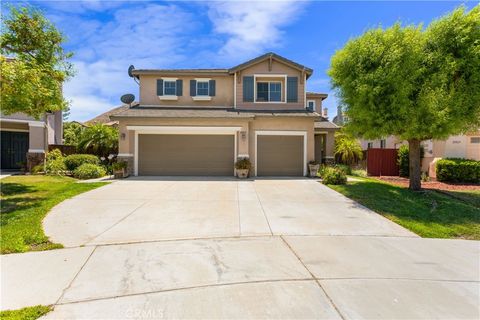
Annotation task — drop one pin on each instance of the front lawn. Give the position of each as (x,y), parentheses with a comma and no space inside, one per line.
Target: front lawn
(25,202)
(30,313)
(428,213)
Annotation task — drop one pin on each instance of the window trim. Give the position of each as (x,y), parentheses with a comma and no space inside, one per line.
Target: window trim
(314,104)
(165,80)
(207,81)
(284,76)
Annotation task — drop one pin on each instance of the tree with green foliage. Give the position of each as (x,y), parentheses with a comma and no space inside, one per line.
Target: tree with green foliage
(99,139)
(412,82)
(347,148)
(33,64)
(72,131)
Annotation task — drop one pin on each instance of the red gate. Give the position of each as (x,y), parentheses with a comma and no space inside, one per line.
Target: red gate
(382,162)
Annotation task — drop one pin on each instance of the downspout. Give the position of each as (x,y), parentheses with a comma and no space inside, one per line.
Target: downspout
(235,90)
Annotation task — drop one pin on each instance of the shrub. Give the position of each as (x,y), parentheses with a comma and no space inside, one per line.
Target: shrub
(55,163)
(117,166)
(458,170)
(89,171)
(403,160)
(74,161)
(242,164)
(346,169)
(333,175)
(39,168)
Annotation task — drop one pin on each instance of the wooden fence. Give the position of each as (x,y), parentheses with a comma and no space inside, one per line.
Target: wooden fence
(382,162)
(66,150)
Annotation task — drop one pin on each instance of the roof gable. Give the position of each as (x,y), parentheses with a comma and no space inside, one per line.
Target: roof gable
(273,56)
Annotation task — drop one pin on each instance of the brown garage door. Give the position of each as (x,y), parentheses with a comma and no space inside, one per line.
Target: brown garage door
(185,155)
(279,155)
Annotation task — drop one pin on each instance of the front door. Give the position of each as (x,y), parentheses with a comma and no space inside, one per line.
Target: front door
(14,149)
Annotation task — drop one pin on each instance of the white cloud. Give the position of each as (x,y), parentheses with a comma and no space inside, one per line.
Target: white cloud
(147,36)
(252,27)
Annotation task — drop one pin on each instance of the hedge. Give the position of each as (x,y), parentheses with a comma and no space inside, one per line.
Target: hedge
(74,161)
(458,170)
(89,171)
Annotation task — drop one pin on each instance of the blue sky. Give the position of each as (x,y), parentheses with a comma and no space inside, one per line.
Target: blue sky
(108,36)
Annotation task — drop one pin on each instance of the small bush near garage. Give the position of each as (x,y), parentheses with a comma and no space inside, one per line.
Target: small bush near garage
(89,171)
(74,161)
(458,170)
(333,175)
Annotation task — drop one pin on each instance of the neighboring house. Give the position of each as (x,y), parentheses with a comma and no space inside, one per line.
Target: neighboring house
(24,140)
(104,118)
(200,121)
(465,146)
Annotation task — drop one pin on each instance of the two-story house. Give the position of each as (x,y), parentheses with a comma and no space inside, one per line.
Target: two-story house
(200,121)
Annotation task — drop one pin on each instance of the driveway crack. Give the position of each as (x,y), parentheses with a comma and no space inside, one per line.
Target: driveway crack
(263,210)
(316,280)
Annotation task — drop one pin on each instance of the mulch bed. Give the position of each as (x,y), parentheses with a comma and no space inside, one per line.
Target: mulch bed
(436,185)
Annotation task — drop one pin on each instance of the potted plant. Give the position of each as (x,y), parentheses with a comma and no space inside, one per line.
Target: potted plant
(119,169)
(313,167)
(243,166)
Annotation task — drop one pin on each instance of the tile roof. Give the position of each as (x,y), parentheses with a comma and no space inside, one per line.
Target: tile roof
(199,112)
(325,124)
(105,117)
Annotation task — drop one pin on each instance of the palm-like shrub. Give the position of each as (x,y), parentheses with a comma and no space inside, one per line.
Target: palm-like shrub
(347,148)
(99,139)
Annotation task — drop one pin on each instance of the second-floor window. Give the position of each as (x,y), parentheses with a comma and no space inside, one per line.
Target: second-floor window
(202,88)
(169,88)
(269,91)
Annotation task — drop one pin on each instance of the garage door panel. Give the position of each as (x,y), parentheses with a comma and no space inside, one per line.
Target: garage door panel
(185,154)
(280,155)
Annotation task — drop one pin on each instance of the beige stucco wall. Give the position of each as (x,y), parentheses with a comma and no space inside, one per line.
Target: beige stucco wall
(37,139)
(223,92)
(473,149)
(391,142)
(318,103)
(245,145)
(278,68)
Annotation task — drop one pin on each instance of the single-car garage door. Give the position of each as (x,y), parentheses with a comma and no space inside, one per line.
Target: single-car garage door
(185,155)
(279,155)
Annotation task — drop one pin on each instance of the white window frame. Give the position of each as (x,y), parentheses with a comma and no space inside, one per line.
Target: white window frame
(383,143)
(169,80)
(255,76)
(282,133)
(207,81)
(314,104)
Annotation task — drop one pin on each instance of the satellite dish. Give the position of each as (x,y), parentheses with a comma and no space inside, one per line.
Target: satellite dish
(127,98)
(130,70)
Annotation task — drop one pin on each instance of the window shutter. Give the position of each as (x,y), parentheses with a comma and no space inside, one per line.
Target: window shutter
(159,87)
(179,88)
(248,89)
(292,89)
(211,88)
(193,88)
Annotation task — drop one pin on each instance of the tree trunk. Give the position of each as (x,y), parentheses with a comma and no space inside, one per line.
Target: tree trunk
(414,164)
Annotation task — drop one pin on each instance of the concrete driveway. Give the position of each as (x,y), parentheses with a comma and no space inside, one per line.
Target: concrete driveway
(223,248)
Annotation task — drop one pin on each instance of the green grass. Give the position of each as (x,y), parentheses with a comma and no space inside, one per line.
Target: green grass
(469,196)
(25,202)
(30,313)
(427,213)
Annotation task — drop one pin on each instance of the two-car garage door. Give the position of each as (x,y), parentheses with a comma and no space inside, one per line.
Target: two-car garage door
(213,155)
(185,154)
